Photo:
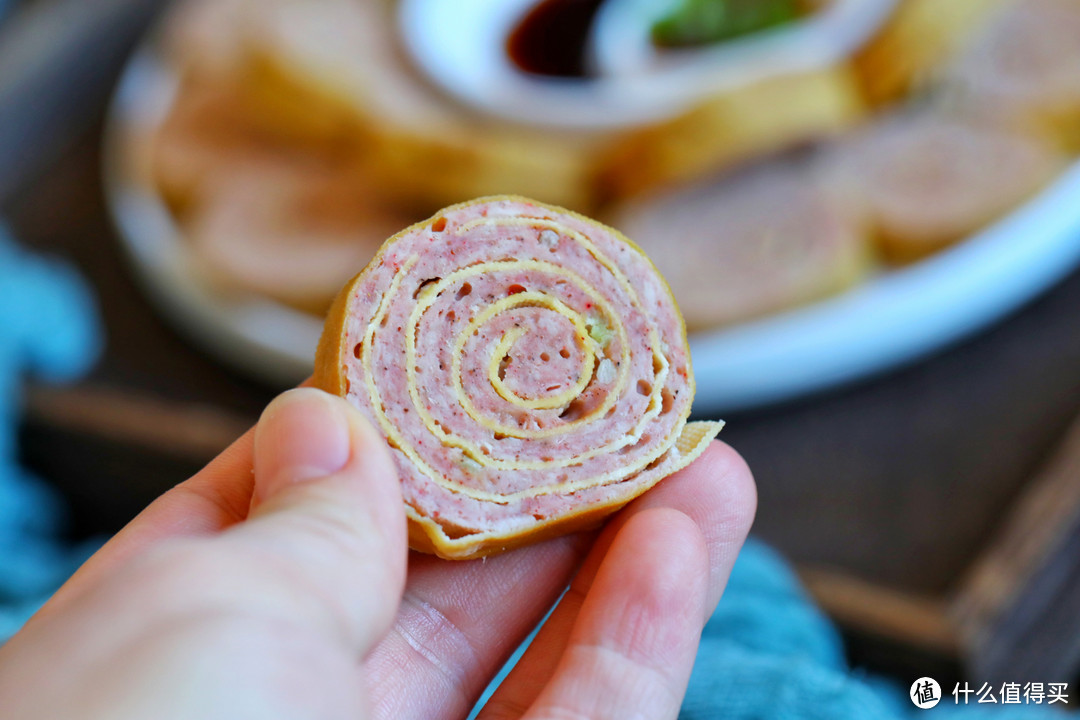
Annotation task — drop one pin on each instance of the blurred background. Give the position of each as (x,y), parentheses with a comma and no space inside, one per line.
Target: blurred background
(867,209)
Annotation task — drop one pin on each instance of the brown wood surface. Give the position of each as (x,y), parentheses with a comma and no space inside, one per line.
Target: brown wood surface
(902,479)
(904,617)
(1017,607)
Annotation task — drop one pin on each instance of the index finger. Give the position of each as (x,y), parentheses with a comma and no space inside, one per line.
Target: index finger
(461,621)
(716,492)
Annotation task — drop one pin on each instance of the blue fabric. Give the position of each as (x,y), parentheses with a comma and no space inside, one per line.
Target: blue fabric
(769,654)
(48,328)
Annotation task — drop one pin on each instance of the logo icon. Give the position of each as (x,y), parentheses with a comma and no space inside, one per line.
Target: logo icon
(925,693)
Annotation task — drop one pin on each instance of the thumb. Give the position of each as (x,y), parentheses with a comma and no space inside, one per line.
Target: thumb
(328,505)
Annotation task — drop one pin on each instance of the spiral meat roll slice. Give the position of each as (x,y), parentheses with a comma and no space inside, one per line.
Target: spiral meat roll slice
(1024,67)
(527,366)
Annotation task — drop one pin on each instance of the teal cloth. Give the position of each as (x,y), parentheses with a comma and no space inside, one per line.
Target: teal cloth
(769,654)
(48,328)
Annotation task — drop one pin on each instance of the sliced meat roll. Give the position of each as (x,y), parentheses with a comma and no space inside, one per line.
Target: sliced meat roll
(732,127)
(201,36)
(1024,66)
(527,366)
(916,39)
(749,244)
(342,59)
(288,230)
(927,181)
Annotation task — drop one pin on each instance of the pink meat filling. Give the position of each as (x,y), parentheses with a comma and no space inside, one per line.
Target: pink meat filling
(545,361)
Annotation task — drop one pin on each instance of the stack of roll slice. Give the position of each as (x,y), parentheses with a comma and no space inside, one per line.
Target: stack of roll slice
(301,134)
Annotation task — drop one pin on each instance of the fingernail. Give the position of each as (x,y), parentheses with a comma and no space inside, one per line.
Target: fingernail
(303,434)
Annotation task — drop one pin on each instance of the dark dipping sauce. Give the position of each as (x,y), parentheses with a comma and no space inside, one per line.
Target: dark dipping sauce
(551,38)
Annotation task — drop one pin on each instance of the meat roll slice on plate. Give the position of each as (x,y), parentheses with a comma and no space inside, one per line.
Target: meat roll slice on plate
(341,59)
(527,366)
(917,38)
(287,230)
(927,180)
(749,244)
(1023,66)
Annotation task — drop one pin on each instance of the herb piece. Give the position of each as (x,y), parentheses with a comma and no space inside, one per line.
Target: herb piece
(701,22)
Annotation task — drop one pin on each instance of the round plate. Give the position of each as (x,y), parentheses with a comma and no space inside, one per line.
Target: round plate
(891,319)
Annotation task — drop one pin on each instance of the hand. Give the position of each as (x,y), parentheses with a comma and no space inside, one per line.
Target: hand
(282,594)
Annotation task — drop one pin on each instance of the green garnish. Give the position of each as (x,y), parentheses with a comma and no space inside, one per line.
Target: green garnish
(700,22)
(599,330)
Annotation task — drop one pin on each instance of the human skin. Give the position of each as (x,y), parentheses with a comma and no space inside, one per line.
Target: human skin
(289,592)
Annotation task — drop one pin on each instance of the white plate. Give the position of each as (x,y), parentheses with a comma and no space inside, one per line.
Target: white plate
(889,320)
